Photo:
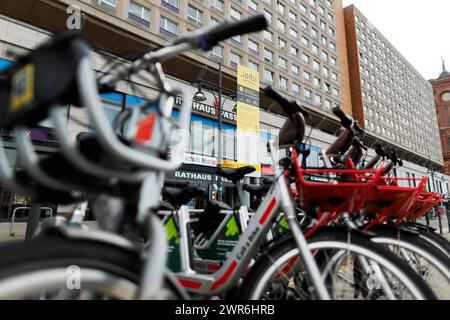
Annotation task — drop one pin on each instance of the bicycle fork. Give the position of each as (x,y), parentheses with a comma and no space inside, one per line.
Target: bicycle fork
(313,272)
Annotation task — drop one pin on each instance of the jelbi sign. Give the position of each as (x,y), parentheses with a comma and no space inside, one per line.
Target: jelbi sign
(248,119)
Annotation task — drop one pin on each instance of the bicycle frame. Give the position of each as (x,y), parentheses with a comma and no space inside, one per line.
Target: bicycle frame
(276,201)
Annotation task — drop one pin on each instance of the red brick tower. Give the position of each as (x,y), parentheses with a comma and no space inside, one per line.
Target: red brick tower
(441,88)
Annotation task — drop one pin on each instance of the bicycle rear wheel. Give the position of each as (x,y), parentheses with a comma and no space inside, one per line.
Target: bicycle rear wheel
(55,267)
(352,266)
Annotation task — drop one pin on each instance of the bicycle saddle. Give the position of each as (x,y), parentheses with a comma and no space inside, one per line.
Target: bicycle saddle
(257,191)
(235,175)
(181,196)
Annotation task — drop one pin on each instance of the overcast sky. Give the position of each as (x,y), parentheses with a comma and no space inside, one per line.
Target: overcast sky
(412,26)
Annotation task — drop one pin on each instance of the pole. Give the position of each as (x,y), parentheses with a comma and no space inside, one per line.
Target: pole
(436,213)
(33,221)
(219,150)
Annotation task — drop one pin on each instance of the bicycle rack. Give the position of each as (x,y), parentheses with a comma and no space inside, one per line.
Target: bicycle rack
(11,228)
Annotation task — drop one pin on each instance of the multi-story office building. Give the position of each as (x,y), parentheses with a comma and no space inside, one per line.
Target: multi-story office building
(303,54)
(391,98)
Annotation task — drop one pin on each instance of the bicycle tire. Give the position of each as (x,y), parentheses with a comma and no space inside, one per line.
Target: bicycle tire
(52,254)
(253,283)
(432,237)
(417,252)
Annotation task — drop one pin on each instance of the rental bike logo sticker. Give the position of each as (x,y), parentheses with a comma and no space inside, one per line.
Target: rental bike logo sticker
(73,281)
(22,87)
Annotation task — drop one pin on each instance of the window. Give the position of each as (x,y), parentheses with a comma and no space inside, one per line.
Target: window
(325,71)
(315,48)
(304,25)
(321,10)
(316,82)
(317,99)
(292,16)
(336,92)
(305,58)
(173,5)
(295,69)
(316,65)
(313,17)
(252,45)
(303,8)
(324,40)
(293,33)
(327,87)
(314,33)
(331,31)
(308,94)
(195,14)
(268,55)
(254,66)
(252,5)
(235,15)
(217,4)
(268,75)
(328,104)
(283,82)
(235,59)
(281,44)
(108,3)
(168,27)
(139,13)
(334,76)
(237,39)
(217,51)
(307,76)
(323,25)
(295,89)
(268,16)
(268,36)
(281,8)
(333,46)
(281,25)
(305,41)
(282,63)
(294,51)
(333,61)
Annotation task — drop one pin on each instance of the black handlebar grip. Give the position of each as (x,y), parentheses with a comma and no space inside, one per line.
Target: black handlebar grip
(227,29)
(380,150)
(288,106)
(345,120)
(357,128)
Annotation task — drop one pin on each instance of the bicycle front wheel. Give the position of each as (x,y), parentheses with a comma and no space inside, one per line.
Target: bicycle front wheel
(352,267)
(53,267)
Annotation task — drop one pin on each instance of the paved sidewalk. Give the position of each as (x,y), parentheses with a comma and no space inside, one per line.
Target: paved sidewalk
(20,228)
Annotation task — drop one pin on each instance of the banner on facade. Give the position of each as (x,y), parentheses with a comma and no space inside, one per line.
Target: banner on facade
(248,119)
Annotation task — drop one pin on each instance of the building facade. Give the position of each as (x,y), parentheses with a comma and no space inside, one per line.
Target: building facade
(305,54)
(389,96)
(441,87)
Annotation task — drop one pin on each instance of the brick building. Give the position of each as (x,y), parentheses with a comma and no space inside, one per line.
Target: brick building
(441,88)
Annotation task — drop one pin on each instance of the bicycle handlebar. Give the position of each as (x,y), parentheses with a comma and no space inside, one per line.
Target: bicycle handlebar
(206,39)
(289,107)
(358,128)
(380,150)
(346,121)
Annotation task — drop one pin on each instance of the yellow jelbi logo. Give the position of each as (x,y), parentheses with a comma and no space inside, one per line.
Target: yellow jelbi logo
(22,87)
